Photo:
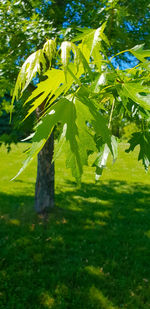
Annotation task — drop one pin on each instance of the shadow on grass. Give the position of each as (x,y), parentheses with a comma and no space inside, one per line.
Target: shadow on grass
(92,253)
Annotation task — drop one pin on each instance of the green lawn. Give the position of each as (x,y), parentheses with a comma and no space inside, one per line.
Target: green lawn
(94,252)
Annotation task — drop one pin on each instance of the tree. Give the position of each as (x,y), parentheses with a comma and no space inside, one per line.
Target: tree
(82,94)
(26,24)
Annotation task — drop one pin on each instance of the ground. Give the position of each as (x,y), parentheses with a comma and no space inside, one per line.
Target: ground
(94,250)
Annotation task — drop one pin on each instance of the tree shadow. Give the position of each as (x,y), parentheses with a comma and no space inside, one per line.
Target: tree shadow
(92,253)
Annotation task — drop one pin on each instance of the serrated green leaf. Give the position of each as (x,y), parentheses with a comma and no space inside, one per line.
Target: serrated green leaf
(100,81)
(90,33)
(60,144)
(98,122)
(49,49)
(46,89)
(143,140)
(101,160)
(140,53)
(65,53)
(34,64)
(114,144)
(138,93)
(79,58)
(85,33)
(90,45)
(77,155)
(102,156)
(98,37)
(50,89)
(66,48)
(35,148)
(85,64)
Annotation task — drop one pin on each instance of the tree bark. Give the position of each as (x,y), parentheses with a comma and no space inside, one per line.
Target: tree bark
(44,188)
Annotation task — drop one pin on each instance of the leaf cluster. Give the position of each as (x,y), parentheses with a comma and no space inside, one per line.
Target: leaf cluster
(83,94)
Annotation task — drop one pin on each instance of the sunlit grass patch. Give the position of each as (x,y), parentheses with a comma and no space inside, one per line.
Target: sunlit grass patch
(93,252)
(99,300)
(46,300)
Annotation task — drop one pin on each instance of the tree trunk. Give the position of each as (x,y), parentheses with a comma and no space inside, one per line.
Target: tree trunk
(44,189)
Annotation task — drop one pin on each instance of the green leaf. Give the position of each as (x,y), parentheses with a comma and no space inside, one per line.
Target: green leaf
(80,139)
(35,63)
(49,49)
(114,144)
(100,81)
(98,122)
(102,156)
(85,33)
(143,140)
(92,35)
(101,160)
(146,66)
(91,43)
(85,64)
(79,58)
(138,93)
(66,48)
(140,53)
(98,37)
(50,89)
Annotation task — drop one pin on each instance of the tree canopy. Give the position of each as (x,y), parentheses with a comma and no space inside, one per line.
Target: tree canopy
(26,24)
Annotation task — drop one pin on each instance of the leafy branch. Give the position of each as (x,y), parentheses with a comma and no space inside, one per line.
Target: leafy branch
(70,93)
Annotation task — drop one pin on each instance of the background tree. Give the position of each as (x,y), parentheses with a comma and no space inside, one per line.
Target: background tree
(25,26)
(127,21)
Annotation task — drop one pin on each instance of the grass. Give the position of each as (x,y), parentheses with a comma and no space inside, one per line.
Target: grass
(94,251)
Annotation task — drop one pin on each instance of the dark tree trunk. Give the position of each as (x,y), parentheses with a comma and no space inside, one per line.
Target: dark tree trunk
(44,189)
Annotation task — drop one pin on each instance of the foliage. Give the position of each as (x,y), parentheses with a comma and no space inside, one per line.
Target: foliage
(16,130)
(22,30)
(25,25)
(127,21)
(82,94)
(143,140)
(93,251)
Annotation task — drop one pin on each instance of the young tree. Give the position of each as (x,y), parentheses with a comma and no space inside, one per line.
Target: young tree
(82,94)
(26,24)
